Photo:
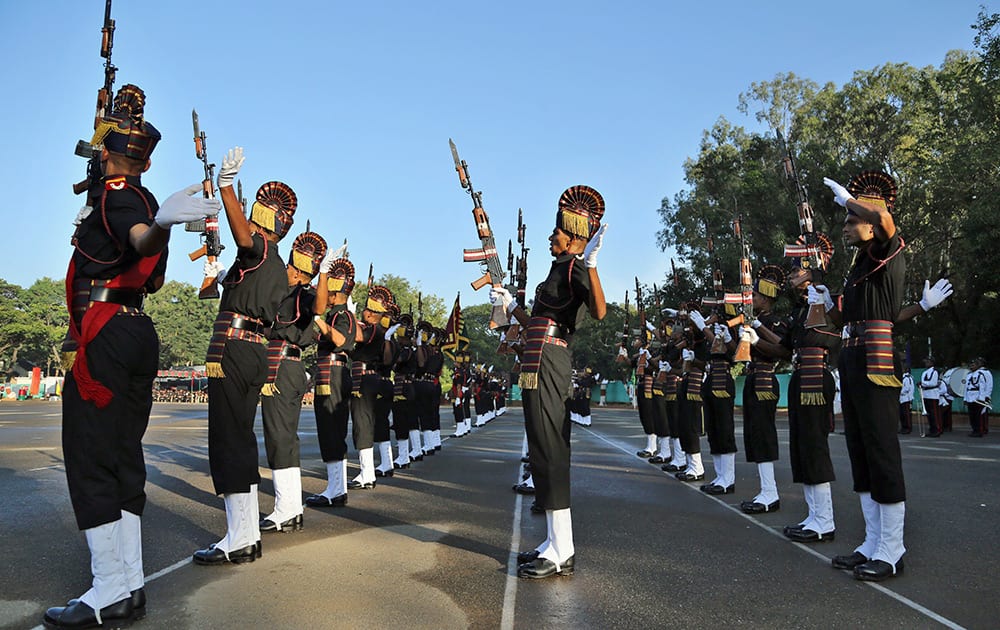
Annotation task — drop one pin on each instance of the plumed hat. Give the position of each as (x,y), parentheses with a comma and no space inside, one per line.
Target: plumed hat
(380,300)
(580,211)
(125,131)
(769,281)
(874,187)
(273,209)
(308,251)
(341,276)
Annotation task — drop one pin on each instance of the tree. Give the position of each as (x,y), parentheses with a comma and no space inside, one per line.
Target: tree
(183,323)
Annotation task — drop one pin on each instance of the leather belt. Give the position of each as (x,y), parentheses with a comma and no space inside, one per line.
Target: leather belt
(125,297)
(291,352)
(245,323)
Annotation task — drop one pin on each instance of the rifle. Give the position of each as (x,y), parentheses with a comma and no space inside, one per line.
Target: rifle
(745,306)
(105,99)
(487,254)
(209,227)
(810,250)
(640,310)
(241,198)
(622,349)
(673,268)
(718,302)
(522,261)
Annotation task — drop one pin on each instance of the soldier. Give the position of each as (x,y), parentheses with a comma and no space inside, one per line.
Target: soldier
(404,400)
(872,301)
(430,362)
(111,358)
(906,401)
(586,384)
(338,330)
(459,385)
(281,397)
(644,367)
(572,284)
(930,383)
(694,355)
(761,393)
(236,363)
(945,399)
(978,393)
(719,407)
(372,350)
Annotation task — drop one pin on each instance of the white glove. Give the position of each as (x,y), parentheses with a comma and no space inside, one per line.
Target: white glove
(934,295)
(755,324)
(490,370)
(432,338)
(500,296)
(721,330)
(664,366)
(622,352)
(697,319)
(351,306)
(340,252)
(214,269)
(651,328)
(643,352)
(465,389)
(327,264)
(687,355)
(840,194)
(819,294)
(231,164)
(391,331)
(82,214)
(186,205)
(420,338)
(669,312)
(597,377)
(749,334)
(593,246)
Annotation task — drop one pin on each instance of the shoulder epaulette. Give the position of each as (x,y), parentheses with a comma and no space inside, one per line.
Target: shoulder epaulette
(115,183)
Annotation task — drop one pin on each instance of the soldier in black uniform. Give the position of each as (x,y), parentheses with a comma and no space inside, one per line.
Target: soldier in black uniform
(111,357)
(405,399)
(571,286)
(872,301)
(338,328)
(430,362)
(761,393)
(236,363)
(694,356)
(281,403)
(719,406)
(373,350)
(459,396)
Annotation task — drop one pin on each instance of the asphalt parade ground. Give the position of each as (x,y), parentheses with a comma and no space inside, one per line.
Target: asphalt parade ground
(434,545)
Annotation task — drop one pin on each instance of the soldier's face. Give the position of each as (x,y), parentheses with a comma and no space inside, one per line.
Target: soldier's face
(856,231)
(559,242)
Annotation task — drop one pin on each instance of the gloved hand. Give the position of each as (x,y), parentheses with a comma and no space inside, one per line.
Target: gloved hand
(664,366)
(749,334)
(669,312)
(500,296)
(391,331)
(697,319)
(819,294)
(419,338)
(186,205)
(622,352)
(593,246)
(327,264)
(721,330)
(213,269)
(651,328)
(755,324)
(340,252)
(597,377)
(82,214)
(351,306)
(643,353)
(934,295)
(464,389)
(687,355)
(840,194)
(231,164)
(432,338)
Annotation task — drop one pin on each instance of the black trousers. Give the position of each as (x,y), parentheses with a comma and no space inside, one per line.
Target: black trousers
(332,415)
(363,412)
(719,423)
(424,405)
(546,421)
(645,408)
(808,431)
(870,413)
(383,406)
(979,417)
(933,419)
(280,415)
(458,407)
(672,408)
(760,435)
(436,407)
(102,448)
(584,409)
(404,413)
(689,412)
(232,408)
(661,422)
(906,416)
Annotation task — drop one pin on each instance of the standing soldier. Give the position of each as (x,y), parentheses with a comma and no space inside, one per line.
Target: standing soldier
(281,402)
(694,355)
(930,382)
(338,328)
(872,300)
(572,284)
(111,357)
(761,393)
(236,363)
(430,362)
(719,408)
(906,401)
(459,401)
(404,398)
(944,401)
(978,393)
(373,349)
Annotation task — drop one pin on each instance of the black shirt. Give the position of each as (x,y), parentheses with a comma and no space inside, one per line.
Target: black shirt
(565,294)
(263,285)
(341,320)
(874,291)
(294,321)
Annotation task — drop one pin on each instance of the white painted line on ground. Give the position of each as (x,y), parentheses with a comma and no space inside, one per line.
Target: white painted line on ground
(510,587)
(878,587)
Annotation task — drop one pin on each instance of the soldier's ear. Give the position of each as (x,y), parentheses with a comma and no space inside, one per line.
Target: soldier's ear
(149,163)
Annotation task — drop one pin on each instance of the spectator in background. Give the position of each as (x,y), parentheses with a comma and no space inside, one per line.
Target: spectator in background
(906,401)
(978,390)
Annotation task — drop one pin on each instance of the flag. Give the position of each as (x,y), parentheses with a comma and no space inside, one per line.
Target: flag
(455,339)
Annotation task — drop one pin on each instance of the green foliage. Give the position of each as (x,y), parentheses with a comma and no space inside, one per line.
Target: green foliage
(183,323)
(936,130)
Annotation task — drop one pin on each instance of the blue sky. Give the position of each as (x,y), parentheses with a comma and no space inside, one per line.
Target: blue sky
(352,104)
